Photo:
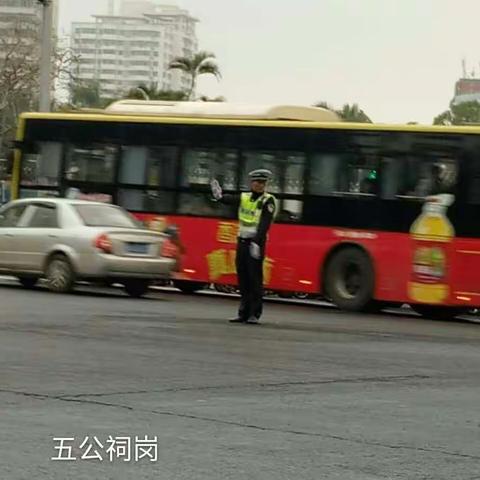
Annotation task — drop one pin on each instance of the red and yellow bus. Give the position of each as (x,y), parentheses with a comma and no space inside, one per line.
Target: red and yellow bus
(369,215)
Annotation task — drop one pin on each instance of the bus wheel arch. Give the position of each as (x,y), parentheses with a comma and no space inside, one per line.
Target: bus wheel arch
(348,277)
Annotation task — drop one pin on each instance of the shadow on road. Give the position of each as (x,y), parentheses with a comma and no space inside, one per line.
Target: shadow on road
(117,292)
(393,313)
(83,290)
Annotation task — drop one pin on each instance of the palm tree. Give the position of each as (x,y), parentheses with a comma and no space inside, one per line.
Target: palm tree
(348,113)
(352,113)
(325,105)
(200,64)
(152,92)
(86,94)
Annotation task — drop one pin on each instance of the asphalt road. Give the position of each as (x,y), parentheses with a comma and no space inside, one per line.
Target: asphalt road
(313,393)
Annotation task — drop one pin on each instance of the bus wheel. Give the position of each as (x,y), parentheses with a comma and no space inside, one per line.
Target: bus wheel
(283,294)
(223,288)
(188,287)
(437,313)
(350,279)
(301,295)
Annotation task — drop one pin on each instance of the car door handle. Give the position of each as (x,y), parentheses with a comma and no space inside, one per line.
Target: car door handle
(53,236)
(9,234)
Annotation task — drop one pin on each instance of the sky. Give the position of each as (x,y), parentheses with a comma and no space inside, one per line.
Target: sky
(397,59)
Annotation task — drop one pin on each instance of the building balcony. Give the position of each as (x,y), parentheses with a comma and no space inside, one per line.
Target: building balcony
(108,78)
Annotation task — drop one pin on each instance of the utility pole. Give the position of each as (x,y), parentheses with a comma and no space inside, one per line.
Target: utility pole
(46,55)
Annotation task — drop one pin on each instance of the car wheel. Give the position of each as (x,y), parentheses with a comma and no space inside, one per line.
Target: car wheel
(137,288)
(59,274)
(28,282)
(350,280)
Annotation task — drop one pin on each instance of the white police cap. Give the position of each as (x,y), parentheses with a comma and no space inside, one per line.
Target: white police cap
(260,174)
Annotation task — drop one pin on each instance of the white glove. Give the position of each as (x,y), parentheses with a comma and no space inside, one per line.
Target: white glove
(216,189)
(255,250)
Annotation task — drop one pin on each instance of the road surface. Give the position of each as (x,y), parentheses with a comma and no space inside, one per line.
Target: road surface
(313,393)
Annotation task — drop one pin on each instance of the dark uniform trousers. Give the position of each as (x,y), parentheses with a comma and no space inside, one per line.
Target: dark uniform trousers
(250,280)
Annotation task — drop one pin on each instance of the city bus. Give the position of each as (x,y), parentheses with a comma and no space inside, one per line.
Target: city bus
(368,215)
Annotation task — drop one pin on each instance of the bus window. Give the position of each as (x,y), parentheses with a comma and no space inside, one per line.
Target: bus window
(200,166)
(290,211)
(148,166)
(293,175)
(41,164)
(270,161)
(324,174)
(146,200)
(288,178)
(93,163)
(333,174)
(200,204)
(391,176)
(362,175)
(438,176)
(473,185)
(418,177)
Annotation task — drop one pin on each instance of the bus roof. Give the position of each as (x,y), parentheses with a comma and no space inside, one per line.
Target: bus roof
(222,110)
(125,111)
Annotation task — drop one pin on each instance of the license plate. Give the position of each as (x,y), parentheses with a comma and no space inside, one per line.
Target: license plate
(140,248)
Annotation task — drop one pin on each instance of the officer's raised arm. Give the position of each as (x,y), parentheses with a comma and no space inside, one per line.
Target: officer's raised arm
(219,196)
(217,192)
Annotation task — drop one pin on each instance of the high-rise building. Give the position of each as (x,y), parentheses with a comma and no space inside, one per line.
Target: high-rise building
(136,8)
(467,87)
(467,90)
(21,22)
(122,51)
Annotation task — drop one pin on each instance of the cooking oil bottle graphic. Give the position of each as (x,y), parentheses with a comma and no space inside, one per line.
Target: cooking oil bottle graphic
(432,235)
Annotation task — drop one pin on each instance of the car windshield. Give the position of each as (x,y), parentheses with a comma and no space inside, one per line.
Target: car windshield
(105,216)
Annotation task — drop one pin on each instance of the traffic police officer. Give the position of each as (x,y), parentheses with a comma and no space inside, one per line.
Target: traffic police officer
(256,212)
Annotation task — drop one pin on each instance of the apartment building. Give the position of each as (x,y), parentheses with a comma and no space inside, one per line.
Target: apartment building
(21,23)
(136,46)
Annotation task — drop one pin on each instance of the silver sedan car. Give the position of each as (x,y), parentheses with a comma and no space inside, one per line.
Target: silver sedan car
(65,241)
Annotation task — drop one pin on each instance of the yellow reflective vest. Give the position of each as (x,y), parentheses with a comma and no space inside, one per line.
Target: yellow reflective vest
(249,213)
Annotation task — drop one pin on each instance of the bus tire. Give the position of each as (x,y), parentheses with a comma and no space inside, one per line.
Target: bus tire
(188,287)
(350,280)
(435,312)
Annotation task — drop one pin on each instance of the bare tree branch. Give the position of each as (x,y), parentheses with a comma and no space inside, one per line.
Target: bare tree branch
(20,71)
